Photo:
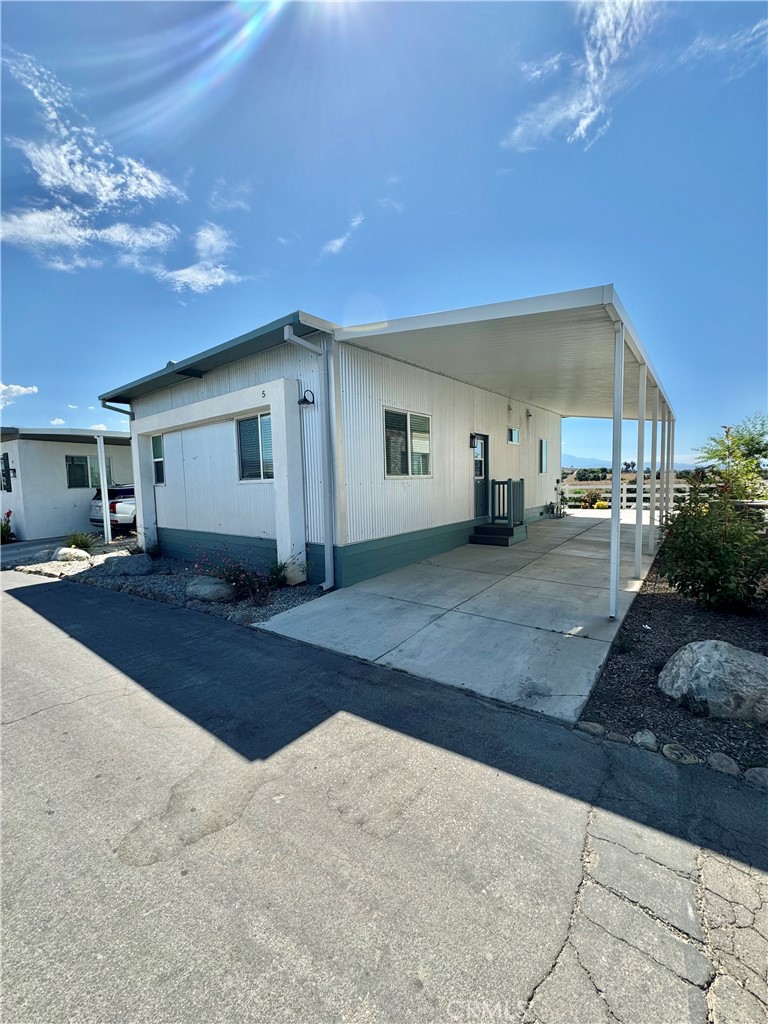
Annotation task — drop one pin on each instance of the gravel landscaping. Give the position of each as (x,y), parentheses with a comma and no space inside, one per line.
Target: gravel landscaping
(162,579)
(627,699)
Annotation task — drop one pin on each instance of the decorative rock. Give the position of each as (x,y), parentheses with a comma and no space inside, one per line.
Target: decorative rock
(723,763)
(617,737)
(712,677)
(679,754)
(646,739)
(210,588)
(757,776)
(71,555)
(133,565)
(593,728)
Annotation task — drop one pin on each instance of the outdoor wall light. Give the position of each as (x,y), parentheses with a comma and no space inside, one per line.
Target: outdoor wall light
(472,440)
(528,414)
(308,398)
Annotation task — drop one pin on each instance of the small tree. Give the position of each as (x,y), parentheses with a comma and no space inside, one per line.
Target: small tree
(735,458)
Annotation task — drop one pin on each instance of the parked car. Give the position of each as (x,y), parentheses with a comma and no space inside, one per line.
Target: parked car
(122,507)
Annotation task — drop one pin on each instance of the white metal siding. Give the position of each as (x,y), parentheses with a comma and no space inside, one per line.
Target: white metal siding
(380,507)
(205,493)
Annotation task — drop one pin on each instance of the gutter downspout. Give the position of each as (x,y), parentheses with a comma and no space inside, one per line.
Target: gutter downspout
(323,352)
(114,408)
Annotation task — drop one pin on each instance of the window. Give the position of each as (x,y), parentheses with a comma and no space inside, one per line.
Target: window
(255,444)
(6,470)
(158,459)
(542,455)
(93,471)
(77,470)
(406,444)
(513,435)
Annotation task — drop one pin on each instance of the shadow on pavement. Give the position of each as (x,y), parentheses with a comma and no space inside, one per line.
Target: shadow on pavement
(257,693)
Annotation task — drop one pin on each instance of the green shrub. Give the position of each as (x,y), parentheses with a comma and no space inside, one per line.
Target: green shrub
(85,541)
(715,554)
(589,498)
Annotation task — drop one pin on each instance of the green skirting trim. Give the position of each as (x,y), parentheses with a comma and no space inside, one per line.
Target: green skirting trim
(194,545)
(357,562)
(535,513)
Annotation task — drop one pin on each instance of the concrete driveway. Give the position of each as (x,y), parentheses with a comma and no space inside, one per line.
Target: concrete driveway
(205,823)
(527,625)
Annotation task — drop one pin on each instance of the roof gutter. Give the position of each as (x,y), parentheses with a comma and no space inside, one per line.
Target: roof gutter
(322,351)
(115,408)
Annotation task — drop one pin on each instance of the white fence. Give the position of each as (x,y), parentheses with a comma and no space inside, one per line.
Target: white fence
(573,492)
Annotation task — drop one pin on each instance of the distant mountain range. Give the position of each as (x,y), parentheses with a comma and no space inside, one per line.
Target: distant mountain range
(574,462)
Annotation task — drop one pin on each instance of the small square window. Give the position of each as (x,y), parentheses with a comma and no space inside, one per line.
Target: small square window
(513,435)
(407,444)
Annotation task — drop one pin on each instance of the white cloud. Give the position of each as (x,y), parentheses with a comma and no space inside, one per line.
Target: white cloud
(10,392)
(211,243)
(612,30)
(57,422)
(394,179)
(226,197)
(335,245)
(283,241)
(86,184)
(71,406)
(90,408)
(388,203)
(744,49)
(535,72)
(99,426)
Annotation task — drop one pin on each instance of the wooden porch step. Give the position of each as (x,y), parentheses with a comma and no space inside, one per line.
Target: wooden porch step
(498,540)
(494,530)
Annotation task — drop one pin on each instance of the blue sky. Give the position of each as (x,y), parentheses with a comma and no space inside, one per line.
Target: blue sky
(176,174)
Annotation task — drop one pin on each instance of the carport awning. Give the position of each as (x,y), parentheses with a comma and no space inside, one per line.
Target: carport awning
(553,351)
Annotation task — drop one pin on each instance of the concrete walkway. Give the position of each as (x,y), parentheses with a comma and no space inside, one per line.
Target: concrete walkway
(527,625)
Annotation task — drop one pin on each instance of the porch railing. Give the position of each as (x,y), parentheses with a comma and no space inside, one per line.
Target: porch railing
(508,502)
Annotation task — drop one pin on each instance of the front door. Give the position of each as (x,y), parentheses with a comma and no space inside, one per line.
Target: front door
(480,471)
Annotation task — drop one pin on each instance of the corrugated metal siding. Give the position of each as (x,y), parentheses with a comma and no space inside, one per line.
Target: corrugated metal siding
(380,507)
(212,497)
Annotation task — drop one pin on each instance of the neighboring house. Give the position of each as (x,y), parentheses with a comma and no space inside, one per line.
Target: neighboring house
(49,477)
(366,448)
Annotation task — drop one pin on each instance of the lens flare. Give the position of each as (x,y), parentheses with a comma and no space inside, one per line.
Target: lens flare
(180,70)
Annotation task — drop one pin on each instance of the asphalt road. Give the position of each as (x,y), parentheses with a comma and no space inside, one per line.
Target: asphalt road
(206,823)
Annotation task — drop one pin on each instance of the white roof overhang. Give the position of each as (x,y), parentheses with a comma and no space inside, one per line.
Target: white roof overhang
(553,351)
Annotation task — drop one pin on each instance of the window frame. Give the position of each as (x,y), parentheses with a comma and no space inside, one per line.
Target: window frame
(81,458)
(543,456)
(515,431)
(407,413)
(158,460)
(238,455)
(93,467)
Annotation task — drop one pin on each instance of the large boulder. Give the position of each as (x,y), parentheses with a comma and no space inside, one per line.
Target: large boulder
(130,565)
(71,555)
(712,677)
(209,588)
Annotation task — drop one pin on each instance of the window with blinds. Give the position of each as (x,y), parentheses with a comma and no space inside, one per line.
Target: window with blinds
(407,443)
(255,444)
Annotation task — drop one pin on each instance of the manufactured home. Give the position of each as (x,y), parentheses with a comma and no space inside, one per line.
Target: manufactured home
(349,451)
(49,476)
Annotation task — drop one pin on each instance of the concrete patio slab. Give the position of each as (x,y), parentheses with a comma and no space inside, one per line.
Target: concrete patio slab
(527,625)
(439,586)
(353,622)
(575,611)
(531,668)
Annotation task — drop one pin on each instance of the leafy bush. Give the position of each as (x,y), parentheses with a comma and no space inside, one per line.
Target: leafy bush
(85,541)
(249,584)
(714,553)
(590,474)
(602,504)
(590,498)
(6,532)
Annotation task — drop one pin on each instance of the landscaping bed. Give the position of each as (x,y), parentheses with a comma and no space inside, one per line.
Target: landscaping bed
(627,698)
